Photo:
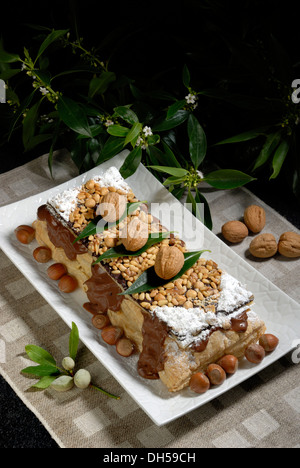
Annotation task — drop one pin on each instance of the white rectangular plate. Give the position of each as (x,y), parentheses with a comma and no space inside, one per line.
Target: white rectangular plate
(280,313)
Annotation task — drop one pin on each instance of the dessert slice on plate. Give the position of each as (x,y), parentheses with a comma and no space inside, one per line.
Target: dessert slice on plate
(181,312)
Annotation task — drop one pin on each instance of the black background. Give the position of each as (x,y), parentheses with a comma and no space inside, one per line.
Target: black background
(147,41)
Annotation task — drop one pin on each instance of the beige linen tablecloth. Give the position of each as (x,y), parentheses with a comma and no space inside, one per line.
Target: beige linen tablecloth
(262,412)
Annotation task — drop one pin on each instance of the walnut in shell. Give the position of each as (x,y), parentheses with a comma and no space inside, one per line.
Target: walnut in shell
(264,246)
(235,231)
(112,207)
(255,218)
(135,235)
(289,245)
(169,261)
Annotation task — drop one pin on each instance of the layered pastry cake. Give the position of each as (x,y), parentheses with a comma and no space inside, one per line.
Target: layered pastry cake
(190,318)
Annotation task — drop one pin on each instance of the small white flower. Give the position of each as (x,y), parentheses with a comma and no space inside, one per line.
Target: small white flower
(44,91)
(23,67)
(108,123)
(147,131)
(140,142)
(200,174)
(191,99)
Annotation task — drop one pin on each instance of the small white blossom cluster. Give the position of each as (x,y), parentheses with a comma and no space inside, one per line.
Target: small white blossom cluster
(142,140)
(192,99)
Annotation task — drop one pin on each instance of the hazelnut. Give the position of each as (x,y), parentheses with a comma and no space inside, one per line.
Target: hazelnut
(42,254)
(264,246)
(169,261)
(111,334)
(100,321)
(255,218)
(255,353)
(216,374)
(56,271)
(229,363)
(112,207)
(125,347)
(135,235)
(289,245)
(67,284)
(25,234)
(235,231)
(269,342)
(199,383)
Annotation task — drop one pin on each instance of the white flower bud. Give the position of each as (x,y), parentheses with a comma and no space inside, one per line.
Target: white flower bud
(68,363)
(63,383)
(82,378)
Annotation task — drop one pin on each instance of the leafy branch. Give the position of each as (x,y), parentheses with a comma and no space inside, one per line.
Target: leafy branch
(62,378)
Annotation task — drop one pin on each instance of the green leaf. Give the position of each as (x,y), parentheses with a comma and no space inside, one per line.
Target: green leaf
(29,123)
(167,124)
(112,147)
(52,37)
(279,158)
(99,85)
(195,201)
(269,147)
(173,171)
(120,251)
(93,228)
(198,142)
(118,130)
(126,114)
(174,108)
(72,115)
(42,370)
(45,382)
(186,77)
(39,355)
(153,140)
(6,57)
(133,133)
(131,163)
(73,341)
(149,279)
(207,213)
(246,136)
(227,179)
(170,155)
(173,180)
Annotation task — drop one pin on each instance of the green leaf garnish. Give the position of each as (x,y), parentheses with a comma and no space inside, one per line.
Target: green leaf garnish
(149,279)
(41,370)
(73,341)
(93,228)
(39,355)
(120,251)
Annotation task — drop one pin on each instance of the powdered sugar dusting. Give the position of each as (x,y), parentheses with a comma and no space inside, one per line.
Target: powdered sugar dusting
(193,325)
(112,178)
(233,294)
(66,201)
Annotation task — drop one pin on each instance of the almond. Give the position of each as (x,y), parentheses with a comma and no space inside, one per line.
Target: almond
(235,231)
(169,261)
(112,207)
(135,235)
(289,245)
(255,218)
(264,246)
